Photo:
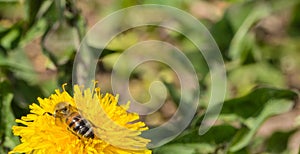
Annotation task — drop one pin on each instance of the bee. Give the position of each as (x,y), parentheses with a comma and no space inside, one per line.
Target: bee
(77,124)
(88,120)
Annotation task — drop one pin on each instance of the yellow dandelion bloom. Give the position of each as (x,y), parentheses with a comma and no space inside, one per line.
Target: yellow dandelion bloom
(116,131)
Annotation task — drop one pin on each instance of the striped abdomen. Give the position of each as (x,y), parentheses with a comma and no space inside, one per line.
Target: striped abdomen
(80,126)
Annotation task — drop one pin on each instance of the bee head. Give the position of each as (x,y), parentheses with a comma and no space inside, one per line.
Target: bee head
(62,109)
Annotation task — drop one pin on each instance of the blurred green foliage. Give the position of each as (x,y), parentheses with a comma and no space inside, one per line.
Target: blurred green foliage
(259,41)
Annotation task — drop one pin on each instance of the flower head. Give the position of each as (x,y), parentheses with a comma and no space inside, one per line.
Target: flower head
(44,133)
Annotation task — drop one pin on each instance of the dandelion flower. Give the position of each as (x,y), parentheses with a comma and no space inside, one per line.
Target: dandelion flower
(42,133)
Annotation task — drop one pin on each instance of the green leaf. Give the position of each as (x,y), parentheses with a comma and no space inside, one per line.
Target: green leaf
(32,10)
(25,94)
(252,104)
(237,13)
(278,142)
(182,148)
(241,36)
(223,32)
(7,119)
(265,74)
(216,135)
(244,136)
(248,106)
(123,41)
(18,63)
(175,95)
(12,10)
(34,32)
(11,38)
(199,64)
(252,110)
(243,17)
(174,3)
(59,43)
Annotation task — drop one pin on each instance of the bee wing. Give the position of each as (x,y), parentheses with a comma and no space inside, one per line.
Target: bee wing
(105,128)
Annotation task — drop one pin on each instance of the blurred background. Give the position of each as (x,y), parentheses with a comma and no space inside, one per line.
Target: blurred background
(259,41)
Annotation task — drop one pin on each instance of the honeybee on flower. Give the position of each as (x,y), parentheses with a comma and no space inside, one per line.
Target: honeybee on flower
(88,122)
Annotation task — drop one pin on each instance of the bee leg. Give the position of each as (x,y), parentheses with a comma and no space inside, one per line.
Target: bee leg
(70,129)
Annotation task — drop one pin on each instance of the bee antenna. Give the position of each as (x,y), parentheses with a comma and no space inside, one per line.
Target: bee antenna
(48,113)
